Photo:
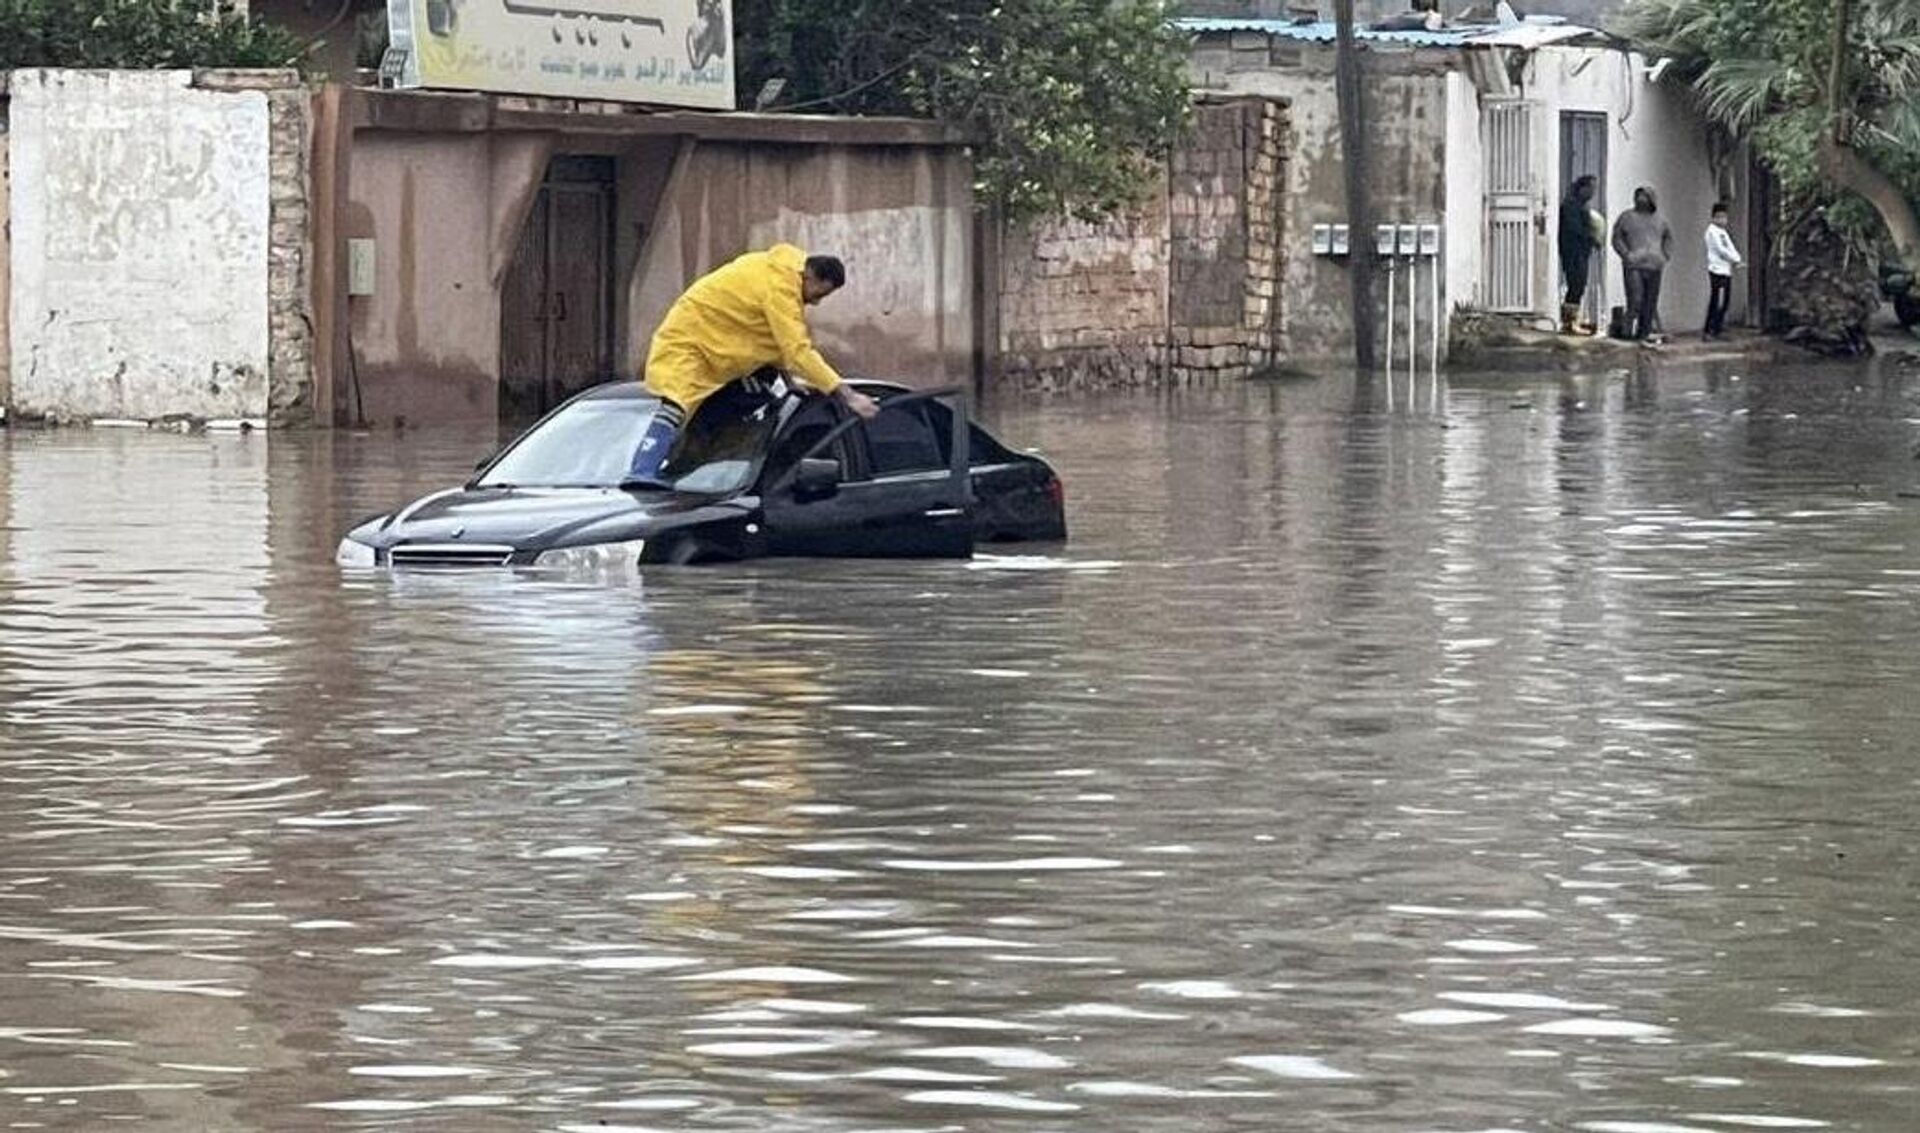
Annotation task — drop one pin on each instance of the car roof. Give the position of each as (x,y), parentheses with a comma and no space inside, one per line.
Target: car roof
(626,389)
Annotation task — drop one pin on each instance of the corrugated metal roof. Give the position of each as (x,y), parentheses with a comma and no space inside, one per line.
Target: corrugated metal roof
(1319,32)
(1534,32)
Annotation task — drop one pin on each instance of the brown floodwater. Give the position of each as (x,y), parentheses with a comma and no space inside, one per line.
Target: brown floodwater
(1540,755)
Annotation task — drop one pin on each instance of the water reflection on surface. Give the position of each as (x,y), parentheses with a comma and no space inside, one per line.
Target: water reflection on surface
(1537,762)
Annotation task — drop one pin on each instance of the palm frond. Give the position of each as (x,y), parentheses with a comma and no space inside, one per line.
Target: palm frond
(1738,93)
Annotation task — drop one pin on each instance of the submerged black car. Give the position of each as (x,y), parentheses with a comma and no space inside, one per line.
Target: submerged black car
(761,470)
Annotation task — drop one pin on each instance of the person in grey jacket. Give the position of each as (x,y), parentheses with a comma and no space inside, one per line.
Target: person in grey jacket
(1644,242)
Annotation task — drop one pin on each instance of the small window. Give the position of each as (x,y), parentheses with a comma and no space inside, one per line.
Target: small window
(902,440)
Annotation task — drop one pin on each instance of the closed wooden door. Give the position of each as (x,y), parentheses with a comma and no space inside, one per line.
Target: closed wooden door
(556,326)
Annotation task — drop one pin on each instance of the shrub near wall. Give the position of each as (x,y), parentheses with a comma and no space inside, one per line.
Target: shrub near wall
(139,35)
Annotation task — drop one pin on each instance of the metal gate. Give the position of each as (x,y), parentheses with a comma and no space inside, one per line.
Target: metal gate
(1583,151)
(1507,136)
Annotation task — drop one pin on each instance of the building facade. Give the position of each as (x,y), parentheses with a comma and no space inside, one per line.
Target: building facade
(1477,132)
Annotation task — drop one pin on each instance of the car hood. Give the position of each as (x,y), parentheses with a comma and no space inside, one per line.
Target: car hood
(538,518)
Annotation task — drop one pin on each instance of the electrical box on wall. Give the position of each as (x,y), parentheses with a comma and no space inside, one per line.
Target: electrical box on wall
(1323,239)
(1409,239)
(1340,239)
(360,267)
(1429,239)
(1383,237)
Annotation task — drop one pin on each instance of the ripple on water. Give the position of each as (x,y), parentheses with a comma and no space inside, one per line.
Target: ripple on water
(1462,722)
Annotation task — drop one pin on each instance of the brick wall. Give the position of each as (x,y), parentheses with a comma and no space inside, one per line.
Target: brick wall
(1182,287)
(1086,304)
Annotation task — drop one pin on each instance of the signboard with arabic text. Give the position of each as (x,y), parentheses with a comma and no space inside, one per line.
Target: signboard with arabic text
(672,52)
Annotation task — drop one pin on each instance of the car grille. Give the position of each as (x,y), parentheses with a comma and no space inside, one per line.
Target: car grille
(449,555)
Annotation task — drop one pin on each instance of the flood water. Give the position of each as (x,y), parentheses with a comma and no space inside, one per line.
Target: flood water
(1541,761)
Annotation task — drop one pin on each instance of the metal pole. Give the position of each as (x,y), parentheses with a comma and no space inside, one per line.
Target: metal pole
(1353,152)
(1435,349)
(1413,325)
(1392,275)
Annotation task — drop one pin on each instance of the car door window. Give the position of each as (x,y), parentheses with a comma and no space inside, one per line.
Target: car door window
(807,428)
(902,441)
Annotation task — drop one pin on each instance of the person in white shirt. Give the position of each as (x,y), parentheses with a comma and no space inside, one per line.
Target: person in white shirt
(1722,258)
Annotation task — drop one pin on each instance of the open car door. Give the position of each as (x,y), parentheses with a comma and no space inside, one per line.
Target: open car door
(887,489)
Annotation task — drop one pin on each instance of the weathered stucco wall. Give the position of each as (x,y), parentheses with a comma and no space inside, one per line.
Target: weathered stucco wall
(1407,155)
(426,343)
(900,216)
(445,211)
(6,266)
(140,220)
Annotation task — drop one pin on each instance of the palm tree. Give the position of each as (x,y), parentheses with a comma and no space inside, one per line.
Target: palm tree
(1828,92)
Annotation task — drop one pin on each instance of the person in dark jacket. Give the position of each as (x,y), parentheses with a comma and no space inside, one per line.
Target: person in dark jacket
(1576,251)
(1644,242)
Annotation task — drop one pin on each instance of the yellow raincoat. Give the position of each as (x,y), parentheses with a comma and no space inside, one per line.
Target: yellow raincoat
(732,321)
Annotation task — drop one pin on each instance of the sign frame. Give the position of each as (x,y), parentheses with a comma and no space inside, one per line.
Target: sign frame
(663,52)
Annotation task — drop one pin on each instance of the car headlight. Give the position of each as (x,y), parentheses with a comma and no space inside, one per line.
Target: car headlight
(352,555)
(594,558)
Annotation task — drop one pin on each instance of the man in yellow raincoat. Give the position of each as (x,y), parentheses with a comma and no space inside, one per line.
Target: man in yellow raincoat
(736,319)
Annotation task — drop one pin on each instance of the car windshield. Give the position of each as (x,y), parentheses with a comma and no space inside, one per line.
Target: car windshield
(590,444)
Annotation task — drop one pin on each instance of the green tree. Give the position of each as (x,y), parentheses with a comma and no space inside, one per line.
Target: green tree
(139,35)
(1069,100)
(1828,92)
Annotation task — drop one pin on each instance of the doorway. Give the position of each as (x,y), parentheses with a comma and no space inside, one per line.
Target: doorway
(1583,151)
(556,304)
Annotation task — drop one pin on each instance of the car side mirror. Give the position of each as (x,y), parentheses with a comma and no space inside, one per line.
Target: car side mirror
(817,478)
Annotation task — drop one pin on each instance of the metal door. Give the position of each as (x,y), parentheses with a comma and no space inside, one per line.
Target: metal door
(1583,151)
(556,303)
(1512,212)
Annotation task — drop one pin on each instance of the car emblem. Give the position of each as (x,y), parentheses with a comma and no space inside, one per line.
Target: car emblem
(459,531)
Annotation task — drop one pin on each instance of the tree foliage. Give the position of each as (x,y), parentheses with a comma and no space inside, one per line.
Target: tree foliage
(1762,68)
(1069,100)
(139,35)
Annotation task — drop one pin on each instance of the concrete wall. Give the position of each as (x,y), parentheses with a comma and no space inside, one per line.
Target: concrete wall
(140,211)
(901,217)
(1407,146)
(291,395)
(6,268)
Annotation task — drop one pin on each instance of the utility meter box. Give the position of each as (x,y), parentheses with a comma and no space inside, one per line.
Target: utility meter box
(360,267)
(1383,238)
(1429,239)
(1409,239)
(1340,240)
(1323,239)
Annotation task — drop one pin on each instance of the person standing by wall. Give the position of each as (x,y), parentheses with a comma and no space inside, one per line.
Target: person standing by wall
(1576,252)
(1722,258)
(1644,242)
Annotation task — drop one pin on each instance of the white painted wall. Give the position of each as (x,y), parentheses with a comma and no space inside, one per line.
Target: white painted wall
(1654,139)
(1466,189)
(139,253)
